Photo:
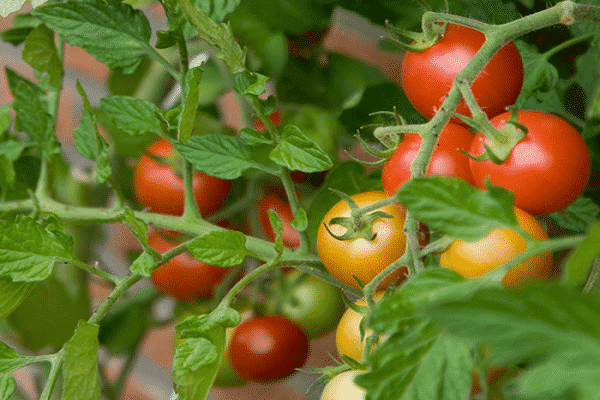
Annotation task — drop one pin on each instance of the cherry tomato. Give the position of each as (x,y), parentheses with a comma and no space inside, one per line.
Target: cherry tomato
(471,259)
(427,76)
(342,387)
(492,376)
(275,117)
(160,189)
(290,236)
(360,257)
(315,305)
(446,160)
(268,348)
(183,277)
(547,170)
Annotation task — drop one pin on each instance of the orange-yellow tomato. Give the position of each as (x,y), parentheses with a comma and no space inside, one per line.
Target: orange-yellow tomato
(347,335)
(342,387)
(501,245)
(360,257)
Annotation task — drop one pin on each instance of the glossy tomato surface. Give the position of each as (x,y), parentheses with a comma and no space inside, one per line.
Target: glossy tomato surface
(360,257)
(427,76)
(290,236)
(342,387)
(446,160)
(158,187)
(268,348)
(183,277)
(347,334)
(501,245)
(547,170)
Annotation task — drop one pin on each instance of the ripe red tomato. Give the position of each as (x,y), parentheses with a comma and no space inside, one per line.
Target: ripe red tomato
(547,170)
(361,257)
(446,160)
(183,277)
(471,259)
(290,236)
(268,348)
(275,117)
(160,189)
(427,75)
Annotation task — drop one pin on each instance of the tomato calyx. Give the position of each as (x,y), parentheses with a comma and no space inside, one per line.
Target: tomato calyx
(501,141)
(420,40)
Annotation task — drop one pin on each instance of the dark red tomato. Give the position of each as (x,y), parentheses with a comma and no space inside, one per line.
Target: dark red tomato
(290,236)
(547,170)
(427,75)
(268,348)
(160,189)
(447,159)
(183,277)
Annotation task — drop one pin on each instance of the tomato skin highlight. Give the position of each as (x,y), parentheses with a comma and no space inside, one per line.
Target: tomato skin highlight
(360,257)
(501,245)
(160,189)
(427,76)
(342,387)
(290,236)
(183,277)
(547,170)
(446,160)
(268,348)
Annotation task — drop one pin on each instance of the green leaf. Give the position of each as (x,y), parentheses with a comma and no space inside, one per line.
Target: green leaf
(196,363)
(420,364)
(578,266)
(28,250)
(81,364)
(319,125)
(298,153)
(31,106)
(143,265)
(453,206)
(10,360)
(221,248)
(22,25)
(113,32)
(217,10)
(7,173)
(300,223)
(539,75)
(225,157)
(200,326)
(252,137)
(39,52)
(277,225)
(4,118)
(13,149)
(190,106)
(250,84)
(136,226)
(218,35)
(7,386)
(580,215)
(12,294)
(134,116)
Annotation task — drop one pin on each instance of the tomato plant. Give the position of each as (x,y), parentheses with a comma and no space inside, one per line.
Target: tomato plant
(427,76)
(547,170)
(183,277)
(158,187)
(360,257)
(347,335)
(446,160)
(500,246)
(268,348)
(290,236)
(342,387)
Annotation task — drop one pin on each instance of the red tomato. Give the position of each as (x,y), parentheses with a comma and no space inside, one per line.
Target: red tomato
(547,170)
(290,236)
(160,189)
(184,277)
(275,118)
(447,160)
(427,76)
(268,348)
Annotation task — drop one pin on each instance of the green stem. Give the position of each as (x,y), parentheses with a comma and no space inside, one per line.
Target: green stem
(190,211)
(103,274)
(564,45)
(290,191)
(593,281)
(156,56)
(53,375)
(102,310)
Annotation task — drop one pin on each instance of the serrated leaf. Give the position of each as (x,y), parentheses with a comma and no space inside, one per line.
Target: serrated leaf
(28,250)
(13,149)
(10,360)
(143,265)
(319,125)
(300,222)
(277,226)
(453,206)
(252,137)
(136,226)
(200,326)
(190,105)
(222,248)
(578,266)
(7,386)
(298,153)
(540,75)
(4,118)
(217,10)
(218,35)
(225,157)
(250,84)
(113,32)
(134,116)
(580,215)
(31,106)
(39,52)
(420,364)
(12,294)
(81,364)
(7,172)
